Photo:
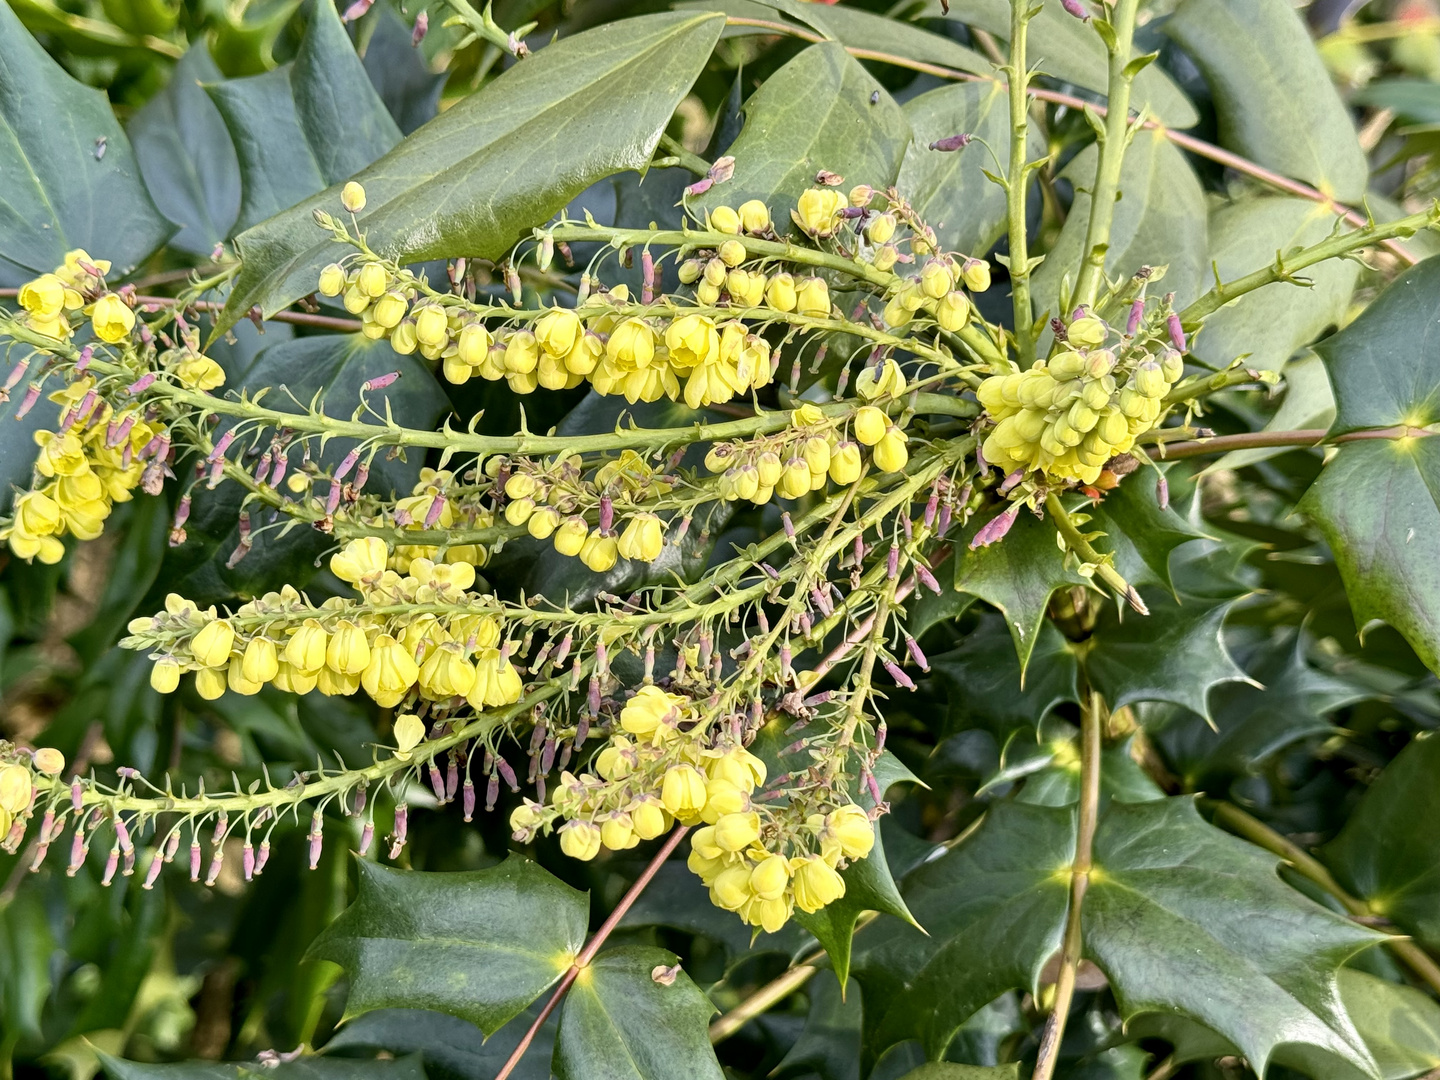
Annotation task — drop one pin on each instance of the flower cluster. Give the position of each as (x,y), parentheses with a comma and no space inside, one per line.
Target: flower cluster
(96,458)
(1068,415)
(77,285)
(17,787)
(666,763)
(340,647)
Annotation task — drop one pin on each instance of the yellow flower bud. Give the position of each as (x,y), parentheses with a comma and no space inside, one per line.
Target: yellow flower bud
(631,345)
(886,256)
(707,295)
(570,537)
(851,829)
(724,219)
(769,879)
(599,552)
(432,327)
(813,298)
(348,653)
(754,216)
(409,730)
(649,818)
(543,522)
(780,293)
(870,425)
(210,683)
(689,271)
(473,344)
(617,833)
(721,798)
(770,915)
(794,479)
(816,884)
(212,643)
(976,275)
(746,288)
(1087,332)
(736,832)
(1149,380)
(332,280)
(731,888)
(526,816)
(291,681)
(683,792)
(259,662)
(935,279)
(890,454)
(881,229)
(617,760)
(391,673)
(372,280)
(732,253)
(45,296)
(403,339)
(643,538)
(446,673)
(818,211)
(165,676)
(884,380)
(580,840)
(715,272)
(49,761)
(558,330)
(389,310)
(305,651)
(16,787)
(352,197)
(112,319)
(953,311)
(235,679)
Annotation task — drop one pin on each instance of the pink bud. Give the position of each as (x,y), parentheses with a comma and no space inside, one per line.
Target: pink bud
(422,24)
(194,860)
(700,186)
(647,277)
(952,143)
(41,850)
(995,529)
(1162,493)
(16,374)
(508,773)
(380,383)
(1137,311)
(452,780)
(172,845)
(32,395)
(367,834)
(926,578)
(348,462)
(357,10)
(898,675)
(913,648)
(153,872)
(247,860)
(112,863)
(264,857)
(437,782)
(140,385)
(122,835)
(467,798)
(607,513)
(1177,332)
(892,562)
(77,795)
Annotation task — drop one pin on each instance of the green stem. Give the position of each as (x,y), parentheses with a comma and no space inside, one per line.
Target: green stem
(1077,543)
(486,29)
(1072,945)
(684,158)
(1197,386)
(1112,155)
(1017,182)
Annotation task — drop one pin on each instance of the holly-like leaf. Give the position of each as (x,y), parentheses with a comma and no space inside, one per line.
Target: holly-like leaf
(1018,575)
(1058,783)
(479,944)
(983,681)
(1139,533)
(622,1020)
(948,1070)
(1308,403)
(70,175)
(1385,855)
(822,110)
(505,158)
(1175,654)
(186,156)
(950,191)
(410,91)
(1160,220)
(305,1068)
(1376,501)
(1276,102)
(1069,50)
(287,122)
(452,1049)
(1270,324)
(1182,918)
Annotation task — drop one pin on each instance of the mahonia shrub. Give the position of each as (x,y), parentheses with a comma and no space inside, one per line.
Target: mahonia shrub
(887,626)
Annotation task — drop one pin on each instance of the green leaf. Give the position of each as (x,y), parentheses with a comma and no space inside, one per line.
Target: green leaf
(1175,654)
(410,91)
(1270,324)
(304,1068)
(1140,534)
(620,1023)
(1018,575)
(26,945)
(983,681)
(479,944)
(1388,854)
(507,157)
(1121,777)
(1070,51)
(186,156)
(948,1070)
(288,123)
(950,190)
(1182,918)
(70,176)
(814,113)
(1308,403)
(1160,220)
(452,1049)
(1276,103)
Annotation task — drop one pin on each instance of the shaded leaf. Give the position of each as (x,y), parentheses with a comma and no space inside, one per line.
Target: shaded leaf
(304,1068)
(479,944)
(948,1070)
(1121,777)
(814,113)
(470,181)
(287,122)
(1140,534)
(1270,324)
(1174,654)
(1183,919)
(619,1022)
(186,156)
(1017,575)
(1160,220)
(1276,102)
(1388,854)
(950,191)
(26,944)
(61,191)
(410,91)
(983,682)
(452,1049)
(1308,403)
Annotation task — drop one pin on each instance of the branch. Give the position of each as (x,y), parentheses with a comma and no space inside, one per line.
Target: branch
(486,29)
(1257,832)
(1016,184)
(1076,542)
(1091,720)
(588,954)
(1303,437)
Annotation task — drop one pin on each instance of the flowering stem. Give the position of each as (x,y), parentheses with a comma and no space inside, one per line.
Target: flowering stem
(1017,182)
(588,953)
(484,27)
(684,158)
(1091,720)
(1076,542)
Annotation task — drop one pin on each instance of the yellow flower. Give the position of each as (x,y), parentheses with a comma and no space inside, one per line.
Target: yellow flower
(361,560)
(36,515)
(16,788)
(210,683)
(976,275)
(599,552)
(884,380)
(739,767)
(352,197)
(813,298)
(617,833)
(389,309)
(890,453)
(212,643)
(816,883)
(112,319)
(473,344)
(165,676)
(731,888)
(348,653)
(391,673)
(580,840)
(199,372)
(45,296)
(631,346)
(49,761)
(291,681)
(570,537)
(446,673)
(334,683)
(649,818)
(754,216)
(818,211)
(409,730)
(935,279)
(770,878)
(780,293)
(736,832)
(643,538)
(683,792)
(845,462)
(724,219)
(432,329)
(692,341)
(235,678)
(870,425)
(558,330)
(332,280)
(259,662)
(953,311)
(850,829)
(305,651)
(652,714)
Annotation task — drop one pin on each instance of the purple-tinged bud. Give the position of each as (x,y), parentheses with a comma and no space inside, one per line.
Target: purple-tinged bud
(362,474)
(700,186)
(647,277)
(282,462)
(850,213)
(47,827)
(564,651)
(1137,311)
(317,839)
(592,698)
(122,836)
(16,374)
(705,647)
(263,858)
(379,383)
(247,860)
(86,410)
(86,355)
(547,755)
(452,781)
(422,24)
(880,732)
(437,782)
(41,850)
(1008,484)
(348,462)
(607,513)
(492,792)
(788,525)
(540,789)
(508,773)
(995,529)
(77,795)
(151,874)
(1162,493)
(932,505)
(357,10)
(821,599)
(32,395)
(926,578)
(217,860)
(602,659)
(359,800)
(952,143)
(723,169)
(873,787)
(582,731)
(898,675)
(892,563)
(367,834)
(140,385)
(221,446)
(467,798)
(77,852)
(172,845)
(1177,332)
(194,860)
(859,549)
(437,507)
(402,827)
(913,648)
(770,571)
(115,434)
(944,524)
(112,863)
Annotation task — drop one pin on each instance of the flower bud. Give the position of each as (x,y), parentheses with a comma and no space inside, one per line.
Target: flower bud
(754,216)
(580,840)
(850,830)
(259,661)
(817,211)
(886,256)
(870,425)
(599,552)
(352,197)
(953,311)
(731,888)
(724,219)
(813,298)
(816,884)
(348,653)
(845,463)
(570,537)
(935,279)
(16,788)
(769,879)
(737,831)
(212,643)
(780,293)
(683,792)
(332,280)
(976,275)
(890,454)
(690,271)
(1086,332)
(373,280)
(881,229)
(732,253)
(649,818)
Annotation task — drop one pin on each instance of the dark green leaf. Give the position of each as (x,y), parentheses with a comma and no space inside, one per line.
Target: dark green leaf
(1308,403)
(405,84)
(288,123)
(480,944)
(187,158)
(1276,102)
(814,113)
(26,943)
(305,1068)
(984,685)
(70,176)
(1388,854)
(453,1049)
(950,190)
(619,1022)
(1183,919)
(948,1070)
(1071,51)
(505,158)
(1175,654)
(1270,324)
(1139,533)
(1017,575)
(1160,220)
(1121,777)
(829,1045)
